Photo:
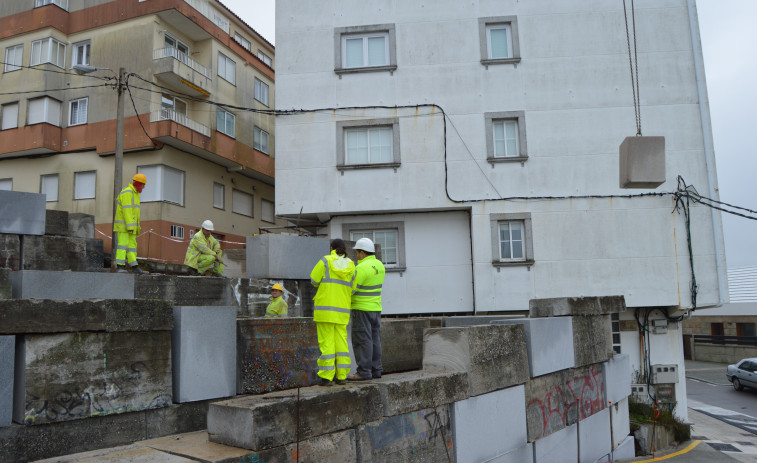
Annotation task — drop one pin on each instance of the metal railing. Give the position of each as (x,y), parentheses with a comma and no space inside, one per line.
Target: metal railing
(164,114)
(170,52)
(725,340)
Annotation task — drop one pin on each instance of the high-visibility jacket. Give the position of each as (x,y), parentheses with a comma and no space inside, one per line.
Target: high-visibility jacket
(200,245)
(366,289)
(333,276)
(127,211)
(277,308)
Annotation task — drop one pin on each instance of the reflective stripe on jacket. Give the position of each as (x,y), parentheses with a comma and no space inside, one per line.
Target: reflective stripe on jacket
(199,245)
(333,276)
(366,289)
(277,308)
(127,211)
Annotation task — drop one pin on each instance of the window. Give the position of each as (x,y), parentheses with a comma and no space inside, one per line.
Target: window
(219,196)
(80,54)
(77,112)
(6,184)
(241,203)
(260,141)
(177,231)
(225,122)
(745,329)
(14,57)
(61,3)
(365,49)
(389,235)
(176,48)
(368,143)
(84,184)
(498,38)
(615,323)
(48,50)
(512,242)
(44,109)
(265,58)
(227,68)
(171,105)
(267,211)
(261,91)
(9,116)
(48,186)
(506,136)
(242,41)
(163,184)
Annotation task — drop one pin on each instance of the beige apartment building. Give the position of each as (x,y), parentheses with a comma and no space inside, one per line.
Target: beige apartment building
(200,83)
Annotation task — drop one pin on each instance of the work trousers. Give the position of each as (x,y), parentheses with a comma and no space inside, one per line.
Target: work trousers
(335,353)
(366,342)
(207,262)
(126,249)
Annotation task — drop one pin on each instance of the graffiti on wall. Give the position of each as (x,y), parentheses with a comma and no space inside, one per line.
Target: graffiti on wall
(425,435)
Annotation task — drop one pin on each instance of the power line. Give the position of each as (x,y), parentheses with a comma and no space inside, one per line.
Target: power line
(54,89)
(35,68)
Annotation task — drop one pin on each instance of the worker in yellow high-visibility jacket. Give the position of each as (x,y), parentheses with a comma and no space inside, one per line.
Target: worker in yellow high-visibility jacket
(277,308)
(333,276)
(126,224)
(204,253)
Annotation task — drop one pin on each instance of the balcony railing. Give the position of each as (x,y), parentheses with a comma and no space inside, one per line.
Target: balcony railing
(171,52)
(171,115)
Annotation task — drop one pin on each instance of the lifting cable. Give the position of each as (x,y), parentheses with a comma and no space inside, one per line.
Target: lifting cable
(633,62)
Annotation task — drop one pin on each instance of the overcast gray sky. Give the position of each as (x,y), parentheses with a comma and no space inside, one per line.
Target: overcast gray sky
(729,40)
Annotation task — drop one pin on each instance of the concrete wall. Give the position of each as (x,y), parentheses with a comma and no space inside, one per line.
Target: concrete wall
(721,354)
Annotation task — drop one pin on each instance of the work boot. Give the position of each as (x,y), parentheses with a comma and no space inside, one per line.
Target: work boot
(324,382)
(357,377)
(121,269)
(137,271)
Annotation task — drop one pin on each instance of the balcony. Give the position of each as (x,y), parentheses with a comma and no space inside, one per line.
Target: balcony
(171,115)
(181,72)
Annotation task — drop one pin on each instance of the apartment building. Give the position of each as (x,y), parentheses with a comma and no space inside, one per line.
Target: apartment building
(478,143)
(203,160)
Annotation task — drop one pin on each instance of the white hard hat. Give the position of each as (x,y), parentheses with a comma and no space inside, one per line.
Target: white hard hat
(207,225)
(365,244)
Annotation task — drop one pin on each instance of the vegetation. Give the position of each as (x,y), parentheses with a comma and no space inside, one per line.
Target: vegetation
(644,413)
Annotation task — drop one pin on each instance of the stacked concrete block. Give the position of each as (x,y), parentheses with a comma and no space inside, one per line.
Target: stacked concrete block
(81,225)
(494,356)
(47,284)
(6,283)
(626,450)
(284,256)
(402,344)
(558,447)
(184,291)
(450,322)
(618,377)
(7,354)
(420,390)
(10,252)
(62,253)
(203,353)
(22,213)
(549,342)
(134,453)
(572,306)
(56,222)
(592,342)
(621,422)
(489,425)
(594,435)
(523,454)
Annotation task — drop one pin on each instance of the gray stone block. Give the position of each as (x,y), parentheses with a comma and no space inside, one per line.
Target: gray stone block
(626,450)
(266,421)
(10,252)
(423,436)
(594,434)
(7,355)
(449,322)
(592,339)
(559,447)
(549,342)
(81,225)
(134,453)
(523,454)
(289,257)
(569,306)
(22,213)
(204,353)
(618,376)
(402,343)
(642,162)
(47,284)
(418,390)
(184,291)
(62,253)
(6,283)
(494,356)
(56,222)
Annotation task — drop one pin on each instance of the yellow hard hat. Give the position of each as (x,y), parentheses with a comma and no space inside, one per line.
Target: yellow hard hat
(277,286)
(139,178)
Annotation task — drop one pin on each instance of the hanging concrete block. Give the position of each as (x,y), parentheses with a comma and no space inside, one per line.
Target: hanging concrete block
(642,162)
(618,374)
(284,256)
(22,213)
(549,342)
(7,352)
(49,284)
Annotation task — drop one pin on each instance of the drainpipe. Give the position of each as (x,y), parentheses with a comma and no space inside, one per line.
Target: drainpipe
(709,151)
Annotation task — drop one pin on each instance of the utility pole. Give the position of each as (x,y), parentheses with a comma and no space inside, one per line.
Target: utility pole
(119,167)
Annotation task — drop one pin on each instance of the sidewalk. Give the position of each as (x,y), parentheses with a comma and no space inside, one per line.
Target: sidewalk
(709,372)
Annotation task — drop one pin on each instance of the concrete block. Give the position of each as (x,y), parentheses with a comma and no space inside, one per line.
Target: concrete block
(523,454)
(276,354)
(625,450)
(197,447)
(47,284)
(81,225)
(10,252)
(56,222)
(62,253)
(489,425)
(569,306)
(592,339)
(618,377)
(402,343)
(449,322)
(61,377)
(494,356)
(22,213)
(7,355)
(203,352)
(176,418)
(252,296)
(549,342)
(289,257)
(266,421)
(621,422)
(134,453)
(6,283)
(594,434)
(559,447)
(184,291)
(642,162)
(423,436)
(418,390)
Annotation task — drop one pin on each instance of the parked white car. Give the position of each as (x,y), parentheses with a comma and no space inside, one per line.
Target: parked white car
(743,374)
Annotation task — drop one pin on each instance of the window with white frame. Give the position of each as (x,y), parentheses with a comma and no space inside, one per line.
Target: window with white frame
(267,211)
(512,242)
(80,54)
(365,48)
(506,136)
(14,57)
(219,198)
(9,116)
(241,203)
(164,184)
(260,140)
(615,322)
(227,68)
(77,111)
(498,38)
(225,122)
(48,186)
(61,3)
(242,41)
(50,51)
(177,231)
(368,143)
(170,106)
(261,91)
(6,184)
(389,235)
(176,48)
(265,58)
(43,109)
(84,184)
